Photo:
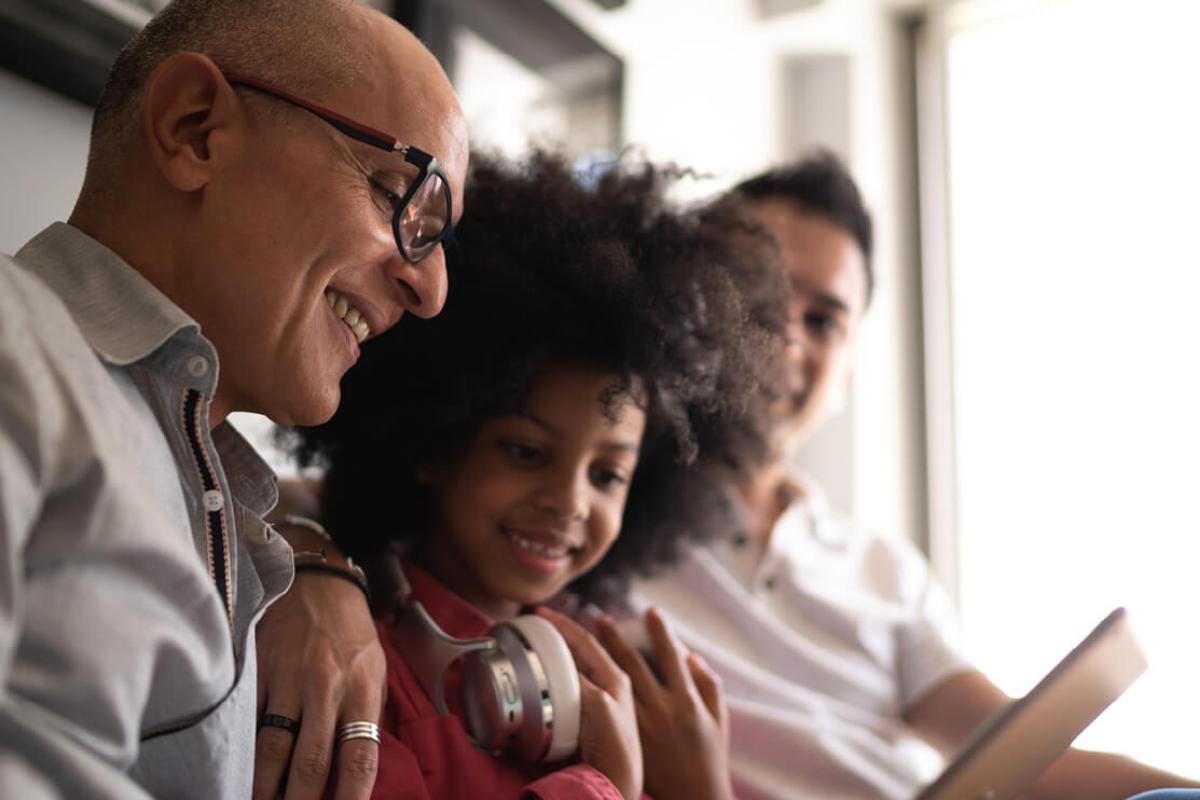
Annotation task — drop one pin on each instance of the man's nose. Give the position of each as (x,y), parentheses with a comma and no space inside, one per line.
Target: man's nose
(425,283)
(795,347)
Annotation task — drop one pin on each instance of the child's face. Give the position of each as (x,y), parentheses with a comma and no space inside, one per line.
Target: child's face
(537,499)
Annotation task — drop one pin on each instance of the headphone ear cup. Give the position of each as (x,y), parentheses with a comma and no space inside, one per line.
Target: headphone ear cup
(491,699)
(562,679)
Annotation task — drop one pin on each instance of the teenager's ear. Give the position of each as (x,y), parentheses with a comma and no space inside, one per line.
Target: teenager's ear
(188,112)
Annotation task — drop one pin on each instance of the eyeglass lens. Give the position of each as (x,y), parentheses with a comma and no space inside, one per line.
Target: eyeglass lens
(426,215)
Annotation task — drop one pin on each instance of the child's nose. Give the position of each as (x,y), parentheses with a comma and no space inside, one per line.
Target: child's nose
(565,496)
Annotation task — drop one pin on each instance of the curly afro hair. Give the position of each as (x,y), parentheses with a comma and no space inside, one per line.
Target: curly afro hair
(548,269)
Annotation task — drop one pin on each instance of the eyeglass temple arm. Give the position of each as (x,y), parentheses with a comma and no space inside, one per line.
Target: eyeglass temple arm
(354,130)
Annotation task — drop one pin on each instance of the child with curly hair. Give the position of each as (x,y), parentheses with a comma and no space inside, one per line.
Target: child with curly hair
(561,425)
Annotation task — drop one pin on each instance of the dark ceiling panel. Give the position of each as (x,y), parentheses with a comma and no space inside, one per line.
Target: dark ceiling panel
(531,31)
(67,45)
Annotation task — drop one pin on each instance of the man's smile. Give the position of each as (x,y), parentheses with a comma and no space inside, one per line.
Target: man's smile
(348,314)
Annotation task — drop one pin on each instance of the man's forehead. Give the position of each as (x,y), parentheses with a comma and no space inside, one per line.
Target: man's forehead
(404,91)
(822,259)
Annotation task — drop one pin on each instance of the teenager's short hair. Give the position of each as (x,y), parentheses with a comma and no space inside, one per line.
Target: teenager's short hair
(820,184)
(548,268)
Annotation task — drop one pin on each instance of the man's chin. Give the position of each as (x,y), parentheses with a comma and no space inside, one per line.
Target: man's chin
(306,411)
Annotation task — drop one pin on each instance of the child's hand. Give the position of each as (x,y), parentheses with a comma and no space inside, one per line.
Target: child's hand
(608,732)
(683,721)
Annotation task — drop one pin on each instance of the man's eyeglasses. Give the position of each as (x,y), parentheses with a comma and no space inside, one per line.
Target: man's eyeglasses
(422,216)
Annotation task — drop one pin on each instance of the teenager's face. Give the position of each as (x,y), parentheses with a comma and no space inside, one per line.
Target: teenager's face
(828,277)
(537,499)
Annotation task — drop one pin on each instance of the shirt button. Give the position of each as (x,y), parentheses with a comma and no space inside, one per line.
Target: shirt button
(769,583)
(213,500)
(740,540)
(197,366)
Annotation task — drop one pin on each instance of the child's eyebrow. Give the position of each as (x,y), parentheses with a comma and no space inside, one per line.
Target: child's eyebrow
(630,447)
(624,447)
(536,420)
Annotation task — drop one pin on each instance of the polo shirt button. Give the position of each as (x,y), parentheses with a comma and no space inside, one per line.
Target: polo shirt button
(197,366)
(213,500)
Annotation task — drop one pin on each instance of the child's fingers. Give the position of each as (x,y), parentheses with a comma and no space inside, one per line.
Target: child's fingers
(668,651)
(591,659)
(708,684)
(629,659)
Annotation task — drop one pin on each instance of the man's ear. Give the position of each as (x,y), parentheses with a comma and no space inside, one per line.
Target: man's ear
(187,107)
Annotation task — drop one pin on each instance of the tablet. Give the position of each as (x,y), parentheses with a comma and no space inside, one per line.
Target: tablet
(1008,751)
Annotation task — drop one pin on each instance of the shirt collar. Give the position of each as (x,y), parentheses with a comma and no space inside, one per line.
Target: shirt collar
(808,511)
(453,614)
(251,479)
(814,503)
(122,315)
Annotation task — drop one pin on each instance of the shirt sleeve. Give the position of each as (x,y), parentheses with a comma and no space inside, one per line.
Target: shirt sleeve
(21,437)
(929,644)
(27,411)
(576,781)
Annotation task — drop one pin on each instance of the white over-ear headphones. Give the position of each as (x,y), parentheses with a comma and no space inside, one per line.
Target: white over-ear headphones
(520,688)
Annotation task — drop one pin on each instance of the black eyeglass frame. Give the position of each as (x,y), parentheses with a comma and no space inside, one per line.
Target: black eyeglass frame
(426,163)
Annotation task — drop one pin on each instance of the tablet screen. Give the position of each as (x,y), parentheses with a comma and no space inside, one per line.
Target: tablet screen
(1011,748)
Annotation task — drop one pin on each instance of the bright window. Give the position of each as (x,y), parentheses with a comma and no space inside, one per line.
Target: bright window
(1073,146)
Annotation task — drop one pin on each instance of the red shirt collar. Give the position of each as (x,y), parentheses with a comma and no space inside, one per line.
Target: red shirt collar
(453,614)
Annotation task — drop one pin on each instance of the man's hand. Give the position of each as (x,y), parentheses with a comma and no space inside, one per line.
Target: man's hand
(319,662)
(682,720)
(608,736)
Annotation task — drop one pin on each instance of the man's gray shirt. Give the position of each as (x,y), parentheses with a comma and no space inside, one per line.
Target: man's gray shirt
(134,562)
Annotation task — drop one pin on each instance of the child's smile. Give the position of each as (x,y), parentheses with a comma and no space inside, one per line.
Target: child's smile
(543,550)
(537,498)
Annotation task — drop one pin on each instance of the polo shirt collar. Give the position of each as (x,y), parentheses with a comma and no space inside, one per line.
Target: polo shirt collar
(121,315)
(251,479)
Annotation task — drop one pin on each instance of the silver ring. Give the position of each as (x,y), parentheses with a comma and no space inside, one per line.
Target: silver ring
(358,730)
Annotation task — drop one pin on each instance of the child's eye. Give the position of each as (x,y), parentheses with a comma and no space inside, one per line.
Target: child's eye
(607,478)
(524,454)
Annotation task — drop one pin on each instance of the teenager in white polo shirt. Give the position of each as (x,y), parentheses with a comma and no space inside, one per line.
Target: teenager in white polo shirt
(836,647)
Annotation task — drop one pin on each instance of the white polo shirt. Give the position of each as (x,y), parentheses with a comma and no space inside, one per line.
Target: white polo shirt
(821,643)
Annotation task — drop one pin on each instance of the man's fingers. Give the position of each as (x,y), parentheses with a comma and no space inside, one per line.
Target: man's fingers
(356,761)
(272,752)
(312,757)
(260,703)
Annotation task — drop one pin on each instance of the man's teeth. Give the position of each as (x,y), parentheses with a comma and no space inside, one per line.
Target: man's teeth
(537,548)
(349,314)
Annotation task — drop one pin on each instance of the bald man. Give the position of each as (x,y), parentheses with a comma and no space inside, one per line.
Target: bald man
(268,186)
